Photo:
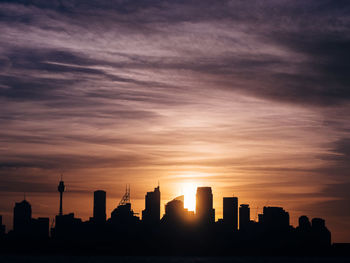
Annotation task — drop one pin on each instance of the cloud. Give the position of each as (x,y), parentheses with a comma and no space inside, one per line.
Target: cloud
(290,62)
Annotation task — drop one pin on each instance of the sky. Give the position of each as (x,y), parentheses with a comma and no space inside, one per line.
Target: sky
(251,98)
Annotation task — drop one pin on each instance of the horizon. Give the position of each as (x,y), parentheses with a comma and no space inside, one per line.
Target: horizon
(190,204)
(251,98)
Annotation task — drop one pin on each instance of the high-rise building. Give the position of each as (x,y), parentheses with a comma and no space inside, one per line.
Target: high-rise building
(123,214)
(321,234)
(151,214)
(22,216)
(244,216)
(99,206)
(40,227)
(304,223)
(204,205)
(176,214)
(275,218)
(175,208)
(230,207)
(67,227)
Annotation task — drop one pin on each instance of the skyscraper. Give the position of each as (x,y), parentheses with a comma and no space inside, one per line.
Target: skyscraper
(230,207)
(123,214)
(40,227)
(321,234)
(99,206)
(151,214)
(244,216)
(22,216)
(204,205)
(304,223)
(175,208)
(176,214)
(275,218)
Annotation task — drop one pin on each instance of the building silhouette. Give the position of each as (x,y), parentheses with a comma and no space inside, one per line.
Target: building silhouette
(275,218)
(174,210)
(320,233)
(205,212)
(151,214)
(304,232)
(26,226)
(22,216)
(176,214)
(2,228)
(123,214)
(230,212)
(40,228)
(304,223)
(99,214)
(244,216)
(67,227)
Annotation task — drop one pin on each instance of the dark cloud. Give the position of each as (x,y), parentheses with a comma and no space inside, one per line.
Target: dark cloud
(339,160)
(317,31)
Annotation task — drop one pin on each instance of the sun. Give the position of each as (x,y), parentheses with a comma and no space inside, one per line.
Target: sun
(189,191)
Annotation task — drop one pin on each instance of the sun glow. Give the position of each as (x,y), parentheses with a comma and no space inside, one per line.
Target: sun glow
(189,191)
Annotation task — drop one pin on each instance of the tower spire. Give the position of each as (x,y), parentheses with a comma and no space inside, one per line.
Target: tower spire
(61,187)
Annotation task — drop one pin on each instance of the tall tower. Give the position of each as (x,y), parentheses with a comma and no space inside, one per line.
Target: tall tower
(99,206)
(61,187)
(230,205)
(204,205)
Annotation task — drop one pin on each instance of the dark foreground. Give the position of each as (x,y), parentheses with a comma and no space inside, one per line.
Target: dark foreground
(116,259)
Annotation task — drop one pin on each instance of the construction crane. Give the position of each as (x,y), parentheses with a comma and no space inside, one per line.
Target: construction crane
(126,197)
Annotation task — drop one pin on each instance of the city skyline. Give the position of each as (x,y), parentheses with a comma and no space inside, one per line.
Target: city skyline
(83,207)
(177,232)
(248,97)
(234,214)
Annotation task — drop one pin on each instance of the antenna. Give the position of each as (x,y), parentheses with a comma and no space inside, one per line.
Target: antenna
(126,197)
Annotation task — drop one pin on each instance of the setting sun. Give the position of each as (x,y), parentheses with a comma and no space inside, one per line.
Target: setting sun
(189,191)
